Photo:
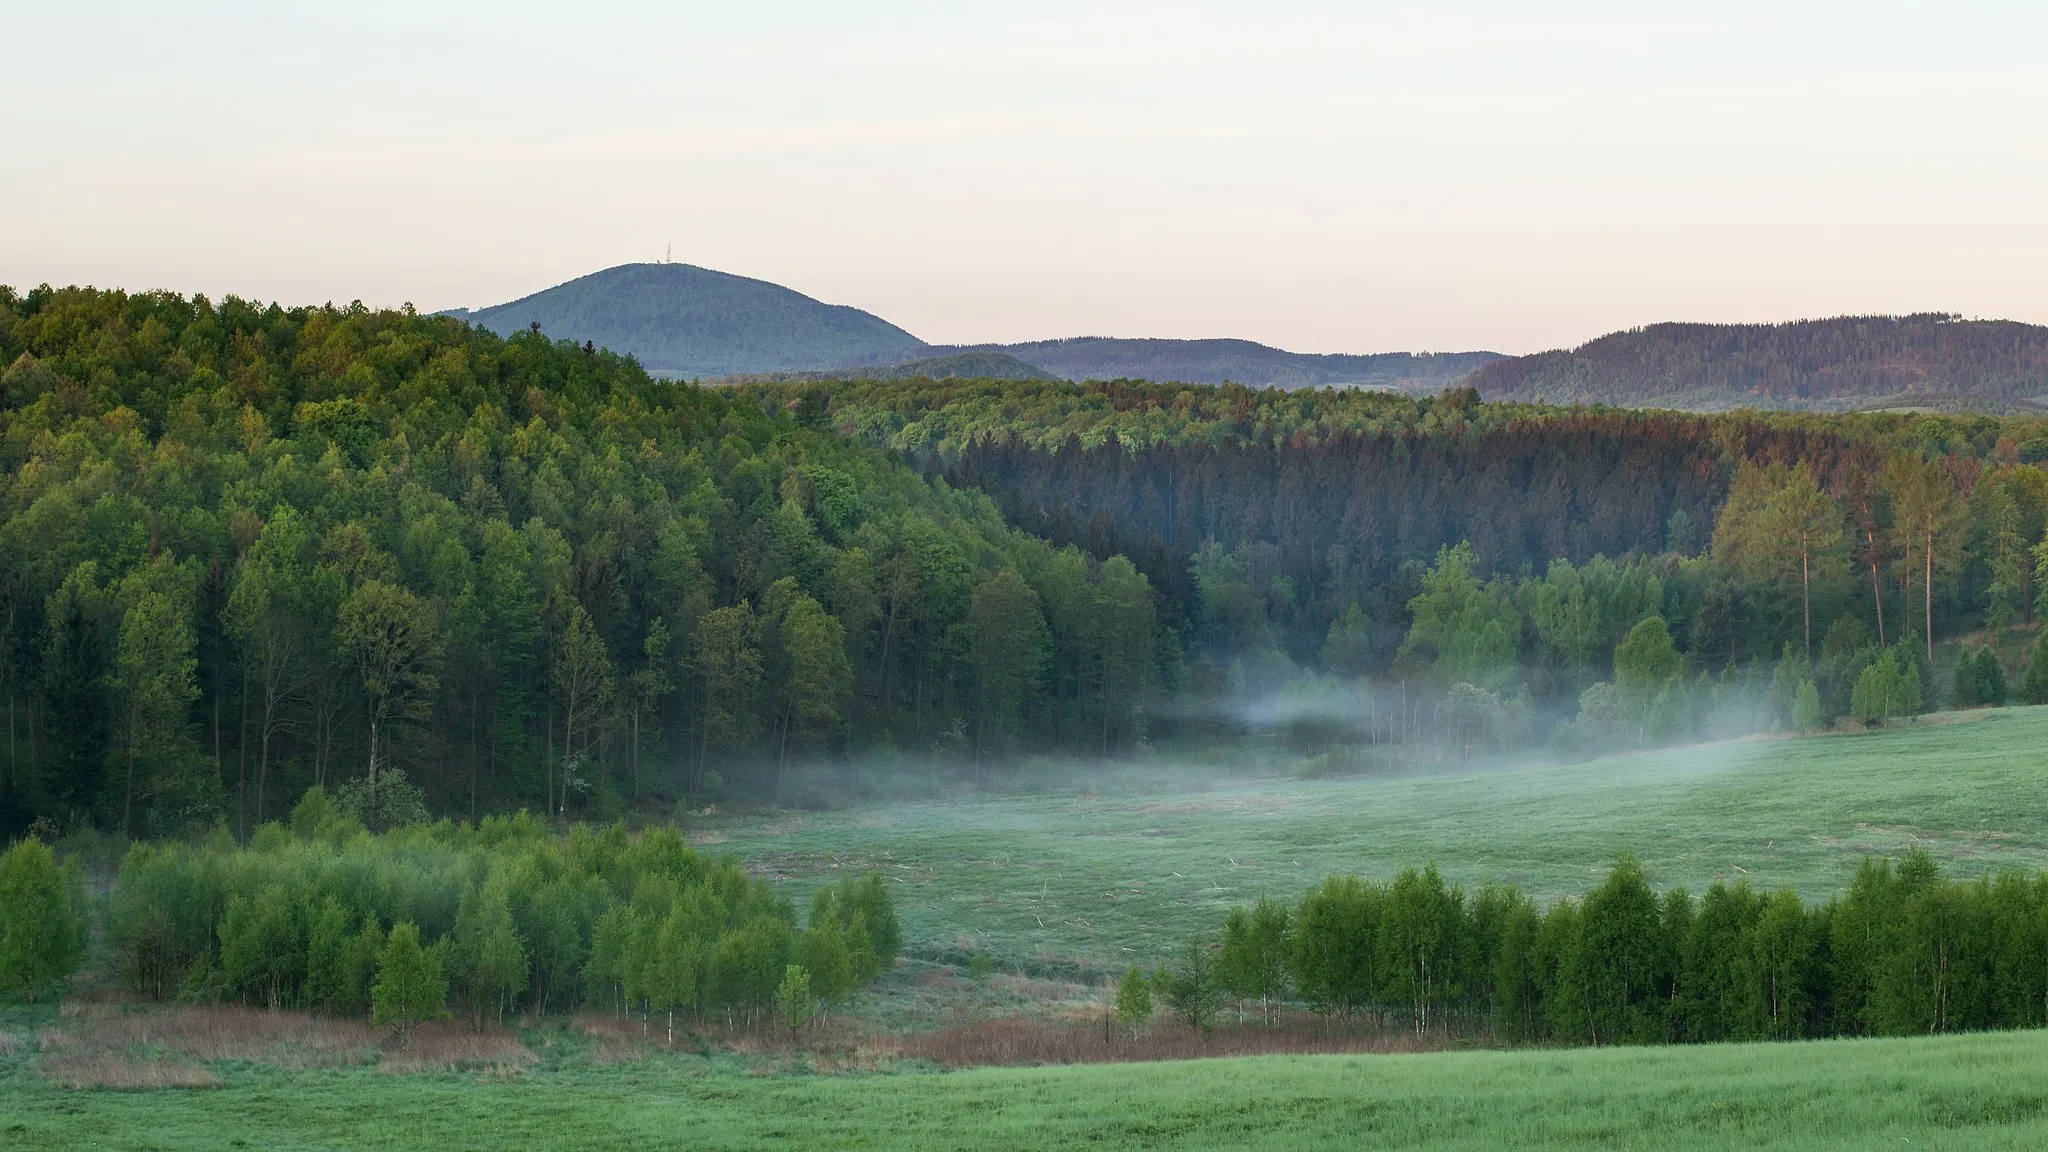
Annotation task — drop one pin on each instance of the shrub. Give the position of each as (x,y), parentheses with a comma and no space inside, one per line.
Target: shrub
(793,997)
(42,921)
(1133,1000)
(411,986)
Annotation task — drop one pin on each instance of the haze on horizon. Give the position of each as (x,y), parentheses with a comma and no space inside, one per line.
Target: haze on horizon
(1322,177)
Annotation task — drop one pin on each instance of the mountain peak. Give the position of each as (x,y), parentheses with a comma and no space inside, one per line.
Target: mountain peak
(683,320)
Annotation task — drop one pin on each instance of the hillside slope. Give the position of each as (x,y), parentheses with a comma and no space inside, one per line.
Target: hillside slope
(980,365)
(682,320)
(1929,359)
(1241,362)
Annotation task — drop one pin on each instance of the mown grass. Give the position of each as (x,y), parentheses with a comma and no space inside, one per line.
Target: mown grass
(1969,1092)
(1096,880)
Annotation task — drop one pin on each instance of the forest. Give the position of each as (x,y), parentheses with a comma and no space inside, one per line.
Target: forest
(249,550)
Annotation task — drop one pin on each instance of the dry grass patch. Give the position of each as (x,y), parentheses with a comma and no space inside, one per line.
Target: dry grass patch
(1024,1040)
(109,1070)
(224,1032)
(449,1044)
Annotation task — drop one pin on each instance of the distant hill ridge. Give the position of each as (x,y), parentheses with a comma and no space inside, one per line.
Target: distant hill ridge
(1924,359)
(1242,362)
(682,320)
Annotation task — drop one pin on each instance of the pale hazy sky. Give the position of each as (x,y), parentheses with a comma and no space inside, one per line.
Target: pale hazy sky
(1325,177)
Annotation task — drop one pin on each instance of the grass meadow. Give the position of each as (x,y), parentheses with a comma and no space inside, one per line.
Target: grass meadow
(1050,881)
(1059,890)
(1974,1092)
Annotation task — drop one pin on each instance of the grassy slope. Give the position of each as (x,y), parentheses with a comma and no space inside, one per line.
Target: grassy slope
(1102,878)
(1950,1092)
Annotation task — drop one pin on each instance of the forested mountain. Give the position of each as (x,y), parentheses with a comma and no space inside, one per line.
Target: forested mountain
(1241,362)
(1846,362)
(678,319)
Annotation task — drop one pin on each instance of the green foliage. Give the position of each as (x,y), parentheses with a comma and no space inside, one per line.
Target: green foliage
(411,987)
(1806,716)
(1902,953)
(1979,680)
(43,924)
(2034,689)
(517,919)
(329,540)
(794,999)
(1134,1000)
(1882,691)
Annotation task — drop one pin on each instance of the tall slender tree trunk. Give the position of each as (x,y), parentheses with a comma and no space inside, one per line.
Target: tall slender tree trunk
(1876,588)
(262,765)
(1806,596)
(373,767)
(473,708)
(242,754)
(128,792)
(1927,593)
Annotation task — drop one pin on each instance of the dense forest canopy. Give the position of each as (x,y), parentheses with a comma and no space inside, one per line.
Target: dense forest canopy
(1854,361)
(248,549)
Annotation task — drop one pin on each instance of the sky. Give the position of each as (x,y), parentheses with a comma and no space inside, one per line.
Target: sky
(1356,177)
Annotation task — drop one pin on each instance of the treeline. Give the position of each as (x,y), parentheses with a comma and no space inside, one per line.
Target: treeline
(1421,543)
(1723,365)
(501,916)
(248,549)
(1901,952)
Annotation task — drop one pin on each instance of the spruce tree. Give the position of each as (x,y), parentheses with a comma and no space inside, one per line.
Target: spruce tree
(2034,689)
(1806,708)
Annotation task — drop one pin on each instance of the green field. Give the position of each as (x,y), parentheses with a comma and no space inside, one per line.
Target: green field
(1080,883)
(1949,1092)
(1098,879)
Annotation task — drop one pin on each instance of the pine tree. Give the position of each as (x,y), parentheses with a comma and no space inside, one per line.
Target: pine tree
(1191,991)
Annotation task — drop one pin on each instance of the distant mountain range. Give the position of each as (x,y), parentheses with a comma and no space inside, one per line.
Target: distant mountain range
(1928,360)
(1241,361)
(682,320)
